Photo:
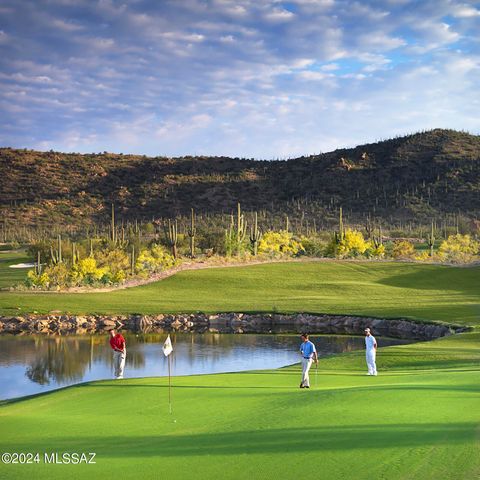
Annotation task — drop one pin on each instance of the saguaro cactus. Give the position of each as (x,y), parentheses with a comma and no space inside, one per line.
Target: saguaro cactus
(74,254)
(132,261)
(378,239)
(255,235)
(91,247)
(172,236)
(340,235)
(191,233)
(369,227)
(235,234)
(56,254)
(38,265)
(112,225)
(241,227)
(431,239)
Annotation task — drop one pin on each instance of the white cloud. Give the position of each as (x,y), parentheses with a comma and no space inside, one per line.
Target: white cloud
(279,15)
(311,75)
(4,38)
(330,67)
(60,24)
(465,11)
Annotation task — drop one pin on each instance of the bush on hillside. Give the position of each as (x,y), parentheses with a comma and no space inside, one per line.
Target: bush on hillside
(352,245)
(459,249)
(278,244)
(403,249)
(153,260)
(313,246)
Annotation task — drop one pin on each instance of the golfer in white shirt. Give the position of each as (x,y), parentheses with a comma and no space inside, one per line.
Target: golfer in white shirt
(371,352)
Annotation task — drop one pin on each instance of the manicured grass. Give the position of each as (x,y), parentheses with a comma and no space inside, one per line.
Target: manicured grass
(11,276)
(429,292)
(419,419)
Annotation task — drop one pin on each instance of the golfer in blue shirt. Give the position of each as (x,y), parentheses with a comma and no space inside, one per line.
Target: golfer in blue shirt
(309,353)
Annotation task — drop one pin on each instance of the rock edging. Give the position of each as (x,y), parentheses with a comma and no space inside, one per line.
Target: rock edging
(227,323)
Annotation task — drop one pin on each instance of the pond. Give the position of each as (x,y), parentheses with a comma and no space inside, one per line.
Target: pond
(35,363)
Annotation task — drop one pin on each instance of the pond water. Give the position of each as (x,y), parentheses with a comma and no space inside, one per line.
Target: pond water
(36,363)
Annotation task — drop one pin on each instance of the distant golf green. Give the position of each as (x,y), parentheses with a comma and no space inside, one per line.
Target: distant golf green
(419,419)
(11,276)
(429,292)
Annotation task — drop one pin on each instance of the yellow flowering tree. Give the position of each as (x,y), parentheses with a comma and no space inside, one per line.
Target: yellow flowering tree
(459,249)
(279,244)
(353,245)
(154,259)
(402,249)
(35,280)
(87,271)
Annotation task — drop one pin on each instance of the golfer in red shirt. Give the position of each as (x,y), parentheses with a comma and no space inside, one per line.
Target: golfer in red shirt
(117,342)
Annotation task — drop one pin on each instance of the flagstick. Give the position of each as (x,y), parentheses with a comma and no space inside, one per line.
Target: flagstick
(169,386)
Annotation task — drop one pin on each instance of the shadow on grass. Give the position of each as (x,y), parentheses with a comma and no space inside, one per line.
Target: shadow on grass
(265,441)
(315,390)
(213,387)
(430,277)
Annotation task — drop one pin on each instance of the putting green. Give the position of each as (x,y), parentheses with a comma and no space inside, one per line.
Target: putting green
(419,418)
(11,276)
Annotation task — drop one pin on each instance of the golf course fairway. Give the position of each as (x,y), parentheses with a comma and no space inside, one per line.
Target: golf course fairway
(419,419)
(426,292)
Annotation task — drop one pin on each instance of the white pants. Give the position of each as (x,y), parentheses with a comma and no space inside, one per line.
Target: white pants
(372,367)
(118,363)
(306,364)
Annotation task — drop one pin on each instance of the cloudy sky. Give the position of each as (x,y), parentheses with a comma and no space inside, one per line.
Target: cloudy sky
(249,78)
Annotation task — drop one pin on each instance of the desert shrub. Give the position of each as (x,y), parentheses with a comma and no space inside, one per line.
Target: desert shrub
(59,275)
(115,261)
(212,239)
(375,252)
(423,256)
(313,246)
(459,249)
(34,280)
(352,245)
(402,249)
(87,272)
(148,228)
(279,244)
(154,259)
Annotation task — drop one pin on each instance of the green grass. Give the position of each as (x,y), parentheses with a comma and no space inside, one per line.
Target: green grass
(11,276)
(429,292)
(419,419)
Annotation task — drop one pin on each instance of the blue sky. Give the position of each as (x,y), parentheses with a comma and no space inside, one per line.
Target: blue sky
(251,78)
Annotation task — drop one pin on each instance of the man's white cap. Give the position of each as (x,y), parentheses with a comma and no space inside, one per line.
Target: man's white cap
(367,330)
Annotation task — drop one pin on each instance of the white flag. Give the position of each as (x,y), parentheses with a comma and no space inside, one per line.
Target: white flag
(167,347)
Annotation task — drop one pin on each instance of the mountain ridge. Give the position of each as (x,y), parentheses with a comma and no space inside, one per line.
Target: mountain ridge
(422,175)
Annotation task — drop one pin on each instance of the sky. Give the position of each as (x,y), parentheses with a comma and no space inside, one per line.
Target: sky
(261,79)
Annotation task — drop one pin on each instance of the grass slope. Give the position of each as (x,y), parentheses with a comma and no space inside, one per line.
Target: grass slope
(430,292)
(418,419)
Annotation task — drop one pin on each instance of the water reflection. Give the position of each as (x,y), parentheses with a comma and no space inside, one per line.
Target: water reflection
(32,364)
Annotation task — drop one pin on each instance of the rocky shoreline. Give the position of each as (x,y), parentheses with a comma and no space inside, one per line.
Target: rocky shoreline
(225,323)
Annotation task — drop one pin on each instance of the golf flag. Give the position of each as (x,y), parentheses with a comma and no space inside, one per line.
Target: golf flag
(167,347)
